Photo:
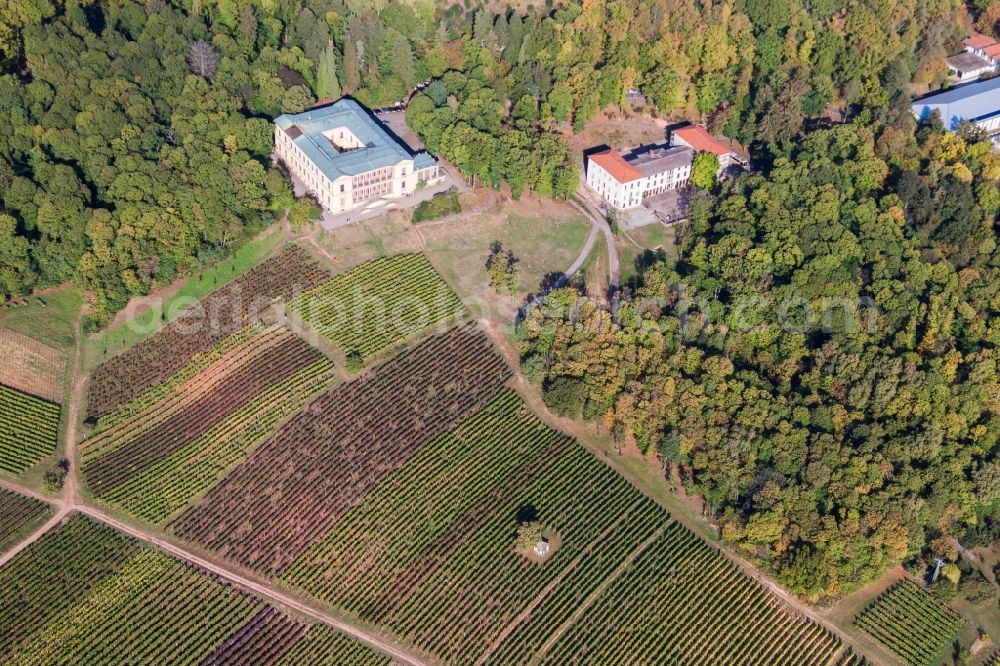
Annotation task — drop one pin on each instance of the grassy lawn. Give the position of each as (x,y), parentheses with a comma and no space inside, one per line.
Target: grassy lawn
(634,243)
(354,244)
(619,135)
(52,323)
(144,315)
(545,237)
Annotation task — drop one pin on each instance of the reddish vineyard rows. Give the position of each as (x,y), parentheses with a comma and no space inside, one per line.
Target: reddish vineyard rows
(493,453)
(225,311)
(324,461)
(271,366)
(264,639)
(84,594)
(17,513)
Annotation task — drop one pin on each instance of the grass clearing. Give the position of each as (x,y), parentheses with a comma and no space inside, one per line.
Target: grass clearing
(53,323)
(638,247)
(545,236)
(352,245)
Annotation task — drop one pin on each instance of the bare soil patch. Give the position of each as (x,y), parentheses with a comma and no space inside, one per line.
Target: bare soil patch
(30,366)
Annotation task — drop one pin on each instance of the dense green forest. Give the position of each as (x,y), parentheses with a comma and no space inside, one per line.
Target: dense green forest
(134,136)
(821,362)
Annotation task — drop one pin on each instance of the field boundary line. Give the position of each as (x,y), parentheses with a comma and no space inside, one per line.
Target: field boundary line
(30,492)
(258,589)
(598,591)
(551,585)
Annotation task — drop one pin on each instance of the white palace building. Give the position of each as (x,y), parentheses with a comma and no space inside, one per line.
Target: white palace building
(347,159)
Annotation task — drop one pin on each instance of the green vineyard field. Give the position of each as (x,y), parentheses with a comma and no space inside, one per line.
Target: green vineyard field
(429,554)
(29,430)
(323,646)
(382,302)
(174,441)
(84,594)
(18,514)
(910,623)
(680,601)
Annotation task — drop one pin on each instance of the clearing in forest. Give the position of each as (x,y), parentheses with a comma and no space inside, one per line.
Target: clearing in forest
(173,441)
(379,303)
(90,595)
(910,623)
(30,366)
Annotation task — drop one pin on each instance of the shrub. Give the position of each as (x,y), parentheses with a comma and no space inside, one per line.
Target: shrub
(355,361)
(53,480)
(528,534)
(441,205)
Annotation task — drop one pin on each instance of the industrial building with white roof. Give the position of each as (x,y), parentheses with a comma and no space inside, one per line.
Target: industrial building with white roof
(978,103)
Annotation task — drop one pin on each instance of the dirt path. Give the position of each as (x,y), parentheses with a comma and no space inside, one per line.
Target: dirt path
(267,592)
(71,500)
(583,203)
(584,251)
(78,381)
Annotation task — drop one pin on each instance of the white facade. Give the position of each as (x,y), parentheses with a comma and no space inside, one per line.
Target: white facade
(616,193)
(343,192)
(624,183)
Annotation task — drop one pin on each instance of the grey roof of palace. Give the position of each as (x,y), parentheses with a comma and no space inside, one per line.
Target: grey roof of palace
(655,159)
(968,62)
(973,101)
(381,148)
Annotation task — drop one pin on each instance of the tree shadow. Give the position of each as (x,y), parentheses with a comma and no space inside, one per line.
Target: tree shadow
(527,513)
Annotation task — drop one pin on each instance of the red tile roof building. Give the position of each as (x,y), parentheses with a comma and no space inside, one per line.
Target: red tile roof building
(616,166)
(977,41)
(625,180)
(697,138)
(981,56)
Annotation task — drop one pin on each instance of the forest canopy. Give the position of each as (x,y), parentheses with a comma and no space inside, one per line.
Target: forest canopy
(821,362)
(135,136)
